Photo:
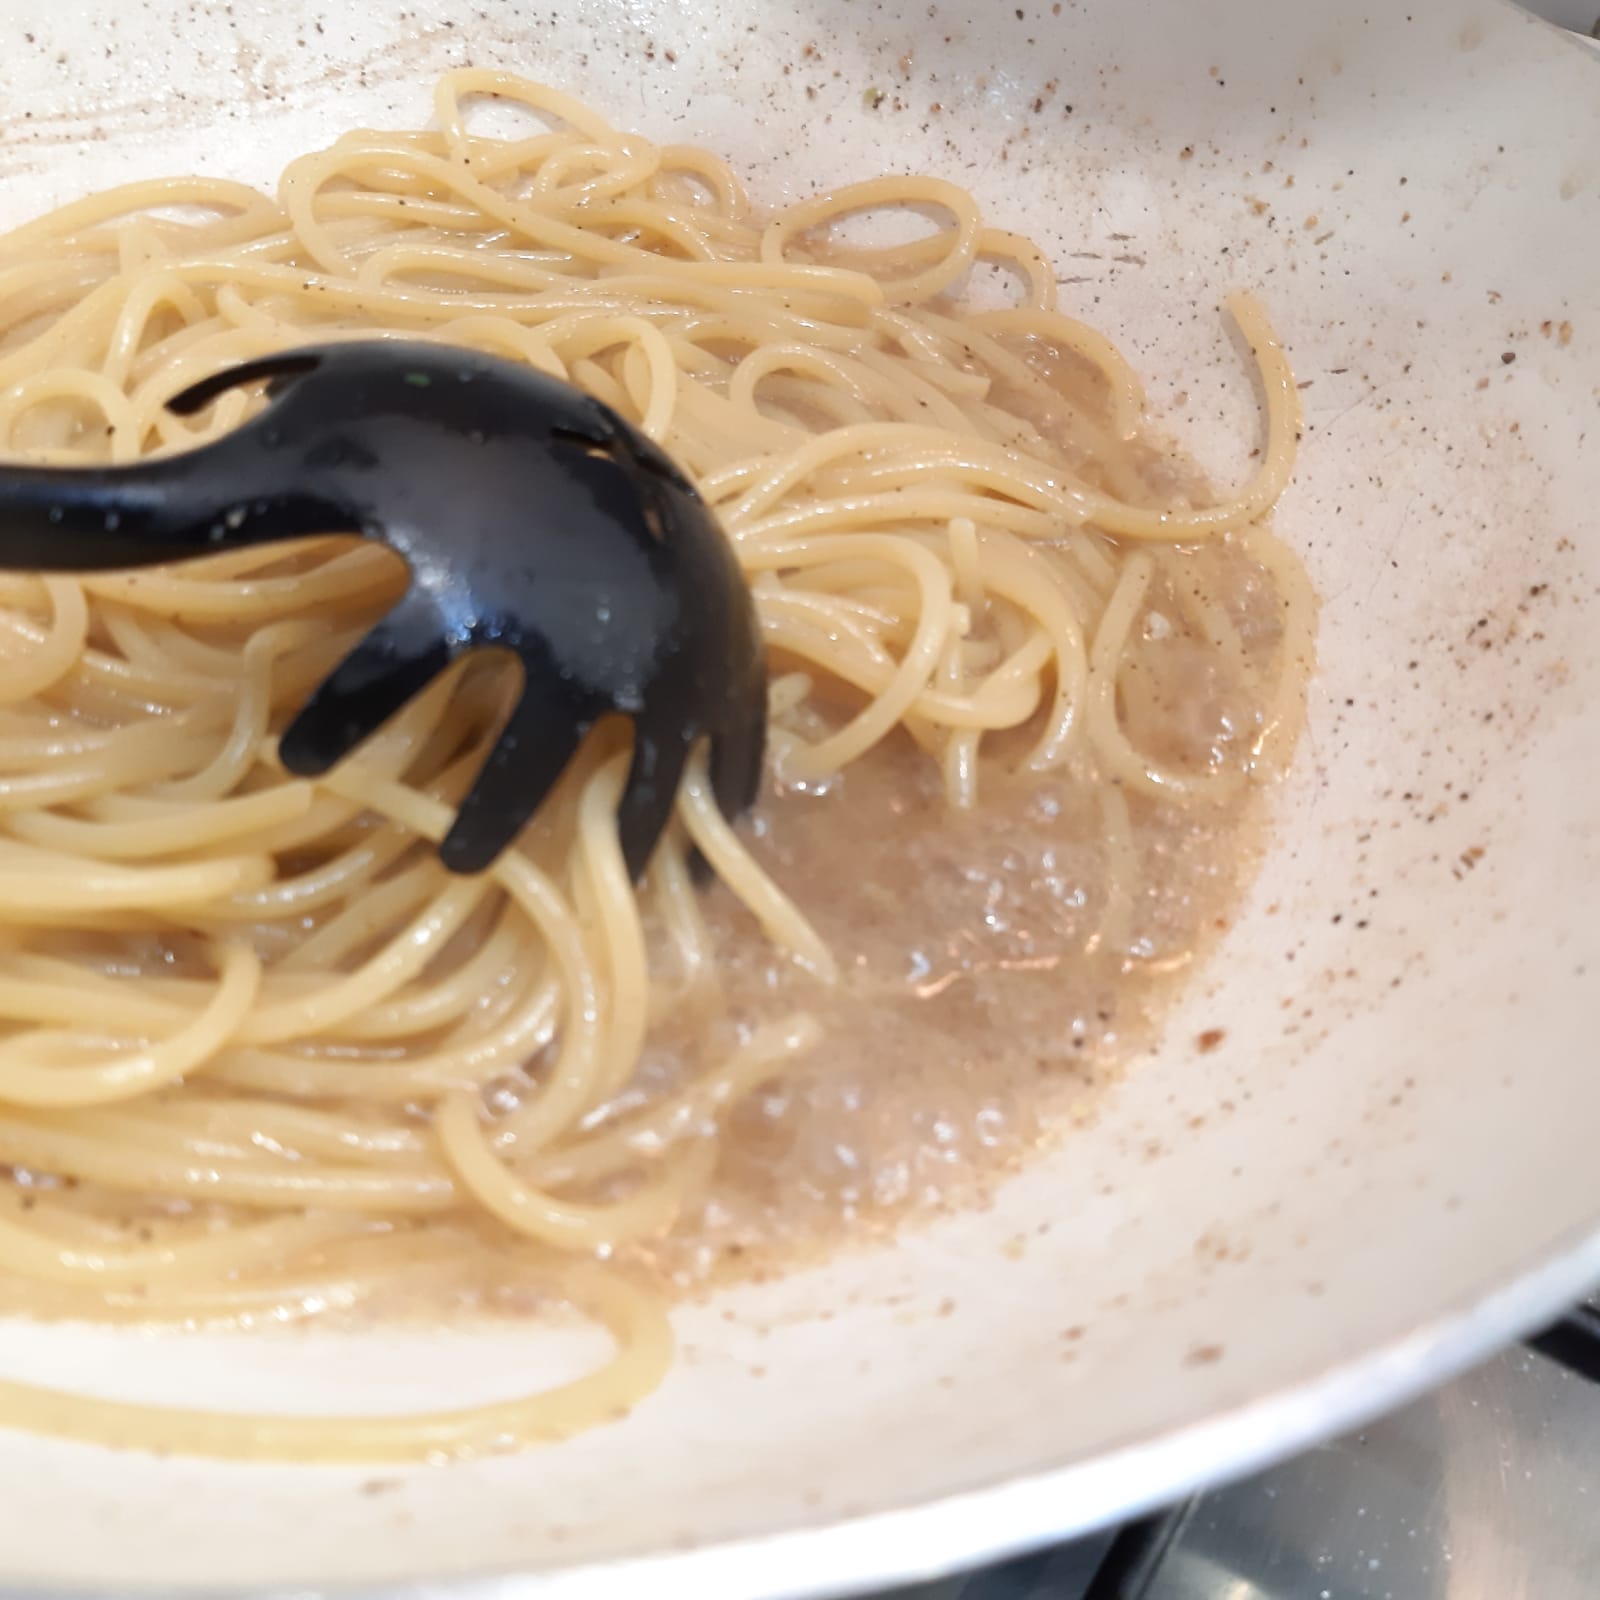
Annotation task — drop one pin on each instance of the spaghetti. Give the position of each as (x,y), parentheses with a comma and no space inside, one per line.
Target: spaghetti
(261,1055)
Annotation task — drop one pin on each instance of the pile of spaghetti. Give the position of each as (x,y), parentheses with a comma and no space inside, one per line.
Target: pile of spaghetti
(260,1054)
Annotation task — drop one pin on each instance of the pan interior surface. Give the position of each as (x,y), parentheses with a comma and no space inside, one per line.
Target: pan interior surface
(1386,1163)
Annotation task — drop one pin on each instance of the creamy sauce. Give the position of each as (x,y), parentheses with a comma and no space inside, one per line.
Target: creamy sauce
(998,966)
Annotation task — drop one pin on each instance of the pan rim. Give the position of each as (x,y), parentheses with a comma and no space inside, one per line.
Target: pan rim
(920,1541)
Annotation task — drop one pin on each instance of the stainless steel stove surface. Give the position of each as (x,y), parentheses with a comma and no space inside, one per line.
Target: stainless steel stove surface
(1488,1489)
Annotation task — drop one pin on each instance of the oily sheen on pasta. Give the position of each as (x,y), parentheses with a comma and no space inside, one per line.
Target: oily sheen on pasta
(260,1055)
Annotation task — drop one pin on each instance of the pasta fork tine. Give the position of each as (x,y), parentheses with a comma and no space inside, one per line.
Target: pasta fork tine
(535,521)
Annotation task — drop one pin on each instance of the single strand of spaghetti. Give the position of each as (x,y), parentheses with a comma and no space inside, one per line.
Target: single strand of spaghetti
(1031,264)
(157,645)
(245,1304)
(679,908)
(162,591)
(252,713)
(635,220)
(1127,764)
(322,885)
(304,178)
(328,821)
(886,261)
(250,561)
(24,590)
(903,389)
(1277,457)
(75,338)
(716,423)
(424,1007)
(136,1128)
(157,370)
(908,326)
(66,383)
(782,920)
(844,624)
(594,334)
(30,289)
(590,376)
(62,1000)
(1114,931)
(140,247)
(241,1305)
(1188,587)
(70,1216)
(33,881)
(98,672)
(874,721)
(804,401)
(29,1253)
(265,1133)
(895,507)
(966,388)
(567,1089)
(148,293)
(613,169)
(1055,327)
(33,673)
(394,265)
(999,469)
(74,761)
(959,759)
(401,959)
(180,650)
(379,909)
(620,1143)
(703,167)
(730,321)
(225,821)
(636,1321)
(287,1186)
(961,769)
(998,674)
(600,855)
(1017,698)
(1085,597)
(965,562)
(903,446)
(413,209)
(420,1077)
(462,83)
(245,208)
(1077,439)
(565,1224)
(652,388)
(122,1076)
(1285,711)
(516,161)
(1026,578)
(500,335)
(875,194)
(337,1277)
(869,391)
(784,291)
(307,1130)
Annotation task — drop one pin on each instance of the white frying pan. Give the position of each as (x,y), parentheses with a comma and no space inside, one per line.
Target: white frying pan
(1390,1165)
